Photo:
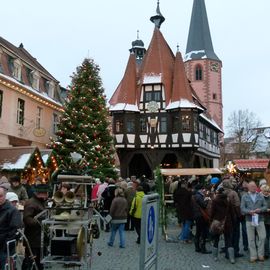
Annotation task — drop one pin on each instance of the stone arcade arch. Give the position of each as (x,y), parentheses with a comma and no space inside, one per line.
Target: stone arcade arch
(169,161)
(139,166)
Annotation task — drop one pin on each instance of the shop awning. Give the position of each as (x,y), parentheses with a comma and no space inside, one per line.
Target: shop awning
(190,171)
(251,164)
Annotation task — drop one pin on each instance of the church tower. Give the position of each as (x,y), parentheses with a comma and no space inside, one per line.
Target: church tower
(203,67)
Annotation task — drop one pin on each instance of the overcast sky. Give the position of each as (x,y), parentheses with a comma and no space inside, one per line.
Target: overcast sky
(61,33)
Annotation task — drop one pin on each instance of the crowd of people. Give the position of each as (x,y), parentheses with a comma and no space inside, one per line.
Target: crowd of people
(13,192)
(224,207)
(121,200)
(208,211)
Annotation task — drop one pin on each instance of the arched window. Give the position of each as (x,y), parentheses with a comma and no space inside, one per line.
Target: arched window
(198,73)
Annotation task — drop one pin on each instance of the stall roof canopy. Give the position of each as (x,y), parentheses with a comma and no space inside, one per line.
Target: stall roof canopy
(251,164)
(191,171)
(15,158)
(46,154)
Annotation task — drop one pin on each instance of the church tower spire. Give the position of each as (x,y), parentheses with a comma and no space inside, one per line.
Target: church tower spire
(157,19)
(199,43)
(203,67)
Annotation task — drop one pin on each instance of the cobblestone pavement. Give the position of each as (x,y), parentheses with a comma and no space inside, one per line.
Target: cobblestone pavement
(171,256)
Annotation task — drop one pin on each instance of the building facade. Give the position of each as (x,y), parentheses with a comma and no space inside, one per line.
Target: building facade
(157,116)
(30,99)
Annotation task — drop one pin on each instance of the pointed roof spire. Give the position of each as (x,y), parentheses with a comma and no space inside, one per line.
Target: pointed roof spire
(199,45)
(124,97)
(181,91)
(158,62)
(181,88)
(157,19)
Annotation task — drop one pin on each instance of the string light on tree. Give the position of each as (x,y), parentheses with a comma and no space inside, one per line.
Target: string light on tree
(84,127)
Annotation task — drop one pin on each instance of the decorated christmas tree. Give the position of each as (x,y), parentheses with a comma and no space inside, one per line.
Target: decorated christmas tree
(84,144)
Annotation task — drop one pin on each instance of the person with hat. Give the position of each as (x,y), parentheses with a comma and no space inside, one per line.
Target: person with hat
(10,221)
(18,188)
(12,198)
(33,207)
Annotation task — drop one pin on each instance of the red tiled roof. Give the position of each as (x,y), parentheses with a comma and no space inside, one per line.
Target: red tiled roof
(159,59)
(127,88)
(181,87)
(247,164)
(160,62)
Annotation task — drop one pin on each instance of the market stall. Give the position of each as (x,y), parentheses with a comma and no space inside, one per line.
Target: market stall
(166,202)
(23,161)
(251,168)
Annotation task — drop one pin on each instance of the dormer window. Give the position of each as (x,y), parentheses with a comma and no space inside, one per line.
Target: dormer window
(51,89)
(153,96)
(198,73)
(17,69)
(35,79)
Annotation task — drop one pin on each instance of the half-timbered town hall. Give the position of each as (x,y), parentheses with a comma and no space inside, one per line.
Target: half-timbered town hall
(166,111)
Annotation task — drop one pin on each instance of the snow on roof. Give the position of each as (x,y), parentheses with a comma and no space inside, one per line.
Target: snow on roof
(124,107)
(211,121)
(32,90)
(45,158)
(188,55)
(182,103)
(152,78)
(19,164)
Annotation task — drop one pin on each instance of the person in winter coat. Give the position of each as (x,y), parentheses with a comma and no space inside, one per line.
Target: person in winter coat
(118,212)
(136,211)
(222,210)
(12,198)
(234,199)
(32,231)
(253,205)
(108,195)
(4,183)
(18,188)
(129,194)
(265,190)
(199,206)
(182,199)
(10,221)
